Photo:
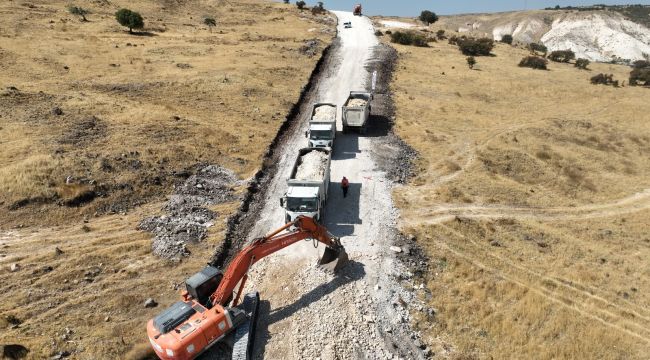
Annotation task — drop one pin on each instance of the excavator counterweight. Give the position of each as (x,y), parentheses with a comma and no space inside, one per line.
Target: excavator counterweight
(210,310)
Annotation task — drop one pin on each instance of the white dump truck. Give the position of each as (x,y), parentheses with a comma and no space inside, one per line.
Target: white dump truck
(322,125)
(307,185)
(356,111)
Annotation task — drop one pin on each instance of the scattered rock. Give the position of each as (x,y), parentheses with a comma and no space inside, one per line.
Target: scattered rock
(396,249)
(150,303)
(14,267)
(57,251)
(57,111)
(60,355)
(107,319)
(183,66)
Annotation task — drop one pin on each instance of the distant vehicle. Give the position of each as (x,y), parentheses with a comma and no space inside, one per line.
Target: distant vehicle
(347,24)
(356,111)
(322,125)
(357,10)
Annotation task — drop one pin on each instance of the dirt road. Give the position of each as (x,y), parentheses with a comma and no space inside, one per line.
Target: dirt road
(360,312)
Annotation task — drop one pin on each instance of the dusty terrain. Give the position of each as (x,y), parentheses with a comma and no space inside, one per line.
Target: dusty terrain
(532,200)
(97,127)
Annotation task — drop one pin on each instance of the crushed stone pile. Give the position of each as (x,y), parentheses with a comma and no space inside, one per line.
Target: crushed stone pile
(357,102)
(186,219)
(312,167)
(324,113)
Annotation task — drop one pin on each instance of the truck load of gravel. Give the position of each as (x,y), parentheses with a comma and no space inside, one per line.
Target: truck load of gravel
(324,113)
(312,166)
(357,103)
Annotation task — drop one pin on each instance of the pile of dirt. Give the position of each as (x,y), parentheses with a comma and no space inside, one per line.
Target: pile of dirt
(324,113)
(357,103)
(187,219)
(312,166)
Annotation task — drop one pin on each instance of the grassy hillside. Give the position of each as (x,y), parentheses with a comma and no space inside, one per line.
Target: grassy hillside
(137,113)
(88,107)
(531,200)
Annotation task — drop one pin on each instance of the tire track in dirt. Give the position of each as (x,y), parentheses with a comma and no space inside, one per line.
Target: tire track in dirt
(445,212)
(583,302)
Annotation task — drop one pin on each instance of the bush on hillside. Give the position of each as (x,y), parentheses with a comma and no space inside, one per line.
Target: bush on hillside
(378,33)
(562,56)
(535,47)
(318,9)
(440,34)
(534,62)
(640,64)
(604,79)
(408,38)
(475,47)
(507,39)
(640,76)
(471,61)
(301,4)
(77,10)
(428,17)
(582,64)
(130,19)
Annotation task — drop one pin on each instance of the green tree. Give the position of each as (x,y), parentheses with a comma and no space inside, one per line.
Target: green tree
(475,47)
(210,22)
(582,64)
(428,17)
(507,39)
(534,62)
(77,10)
(130,19)
(562,55)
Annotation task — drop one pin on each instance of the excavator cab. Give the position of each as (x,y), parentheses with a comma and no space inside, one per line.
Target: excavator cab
(202,284)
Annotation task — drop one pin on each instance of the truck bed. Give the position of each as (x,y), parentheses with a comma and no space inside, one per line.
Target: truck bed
(312,166)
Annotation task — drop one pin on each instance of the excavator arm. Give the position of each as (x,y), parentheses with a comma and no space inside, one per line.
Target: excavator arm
(191,326)
(305,228)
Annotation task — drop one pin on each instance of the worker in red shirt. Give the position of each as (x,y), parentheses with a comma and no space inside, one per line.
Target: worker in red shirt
(344,185)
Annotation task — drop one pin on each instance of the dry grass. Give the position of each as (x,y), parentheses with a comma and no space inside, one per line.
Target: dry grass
(137,122)
(138,109)
(518,203)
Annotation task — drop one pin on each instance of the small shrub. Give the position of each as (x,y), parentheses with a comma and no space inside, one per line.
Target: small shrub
(535,47)
(440,34)
(428,17)
(475,47)
(210,22)
(300,4)
(640,64)
(130,19)
(388,32)
(534,62)
(77,10)
(562,56)
(378,33)
(582,64)
(640,76)
(408,38)
(318,9)
(604,79)
(471,61)
(286,1)
(507,39)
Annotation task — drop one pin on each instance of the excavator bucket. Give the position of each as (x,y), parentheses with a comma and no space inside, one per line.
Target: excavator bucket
(333,259)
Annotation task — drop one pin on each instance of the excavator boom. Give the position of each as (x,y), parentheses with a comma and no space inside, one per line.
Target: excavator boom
(189,327)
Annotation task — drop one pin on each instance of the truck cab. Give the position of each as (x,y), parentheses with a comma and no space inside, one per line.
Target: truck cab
(302,200)
(321,134)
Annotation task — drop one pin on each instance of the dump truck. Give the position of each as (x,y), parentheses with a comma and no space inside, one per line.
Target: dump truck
(307,185)
(322,125)
(356,11)
(356,111)
(210,311)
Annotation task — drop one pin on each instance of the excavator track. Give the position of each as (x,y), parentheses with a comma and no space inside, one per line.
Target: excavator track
(245,333)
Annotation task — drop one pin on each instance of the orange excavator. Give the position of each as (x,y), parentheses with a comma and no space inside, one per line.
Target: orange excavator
(208,313)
